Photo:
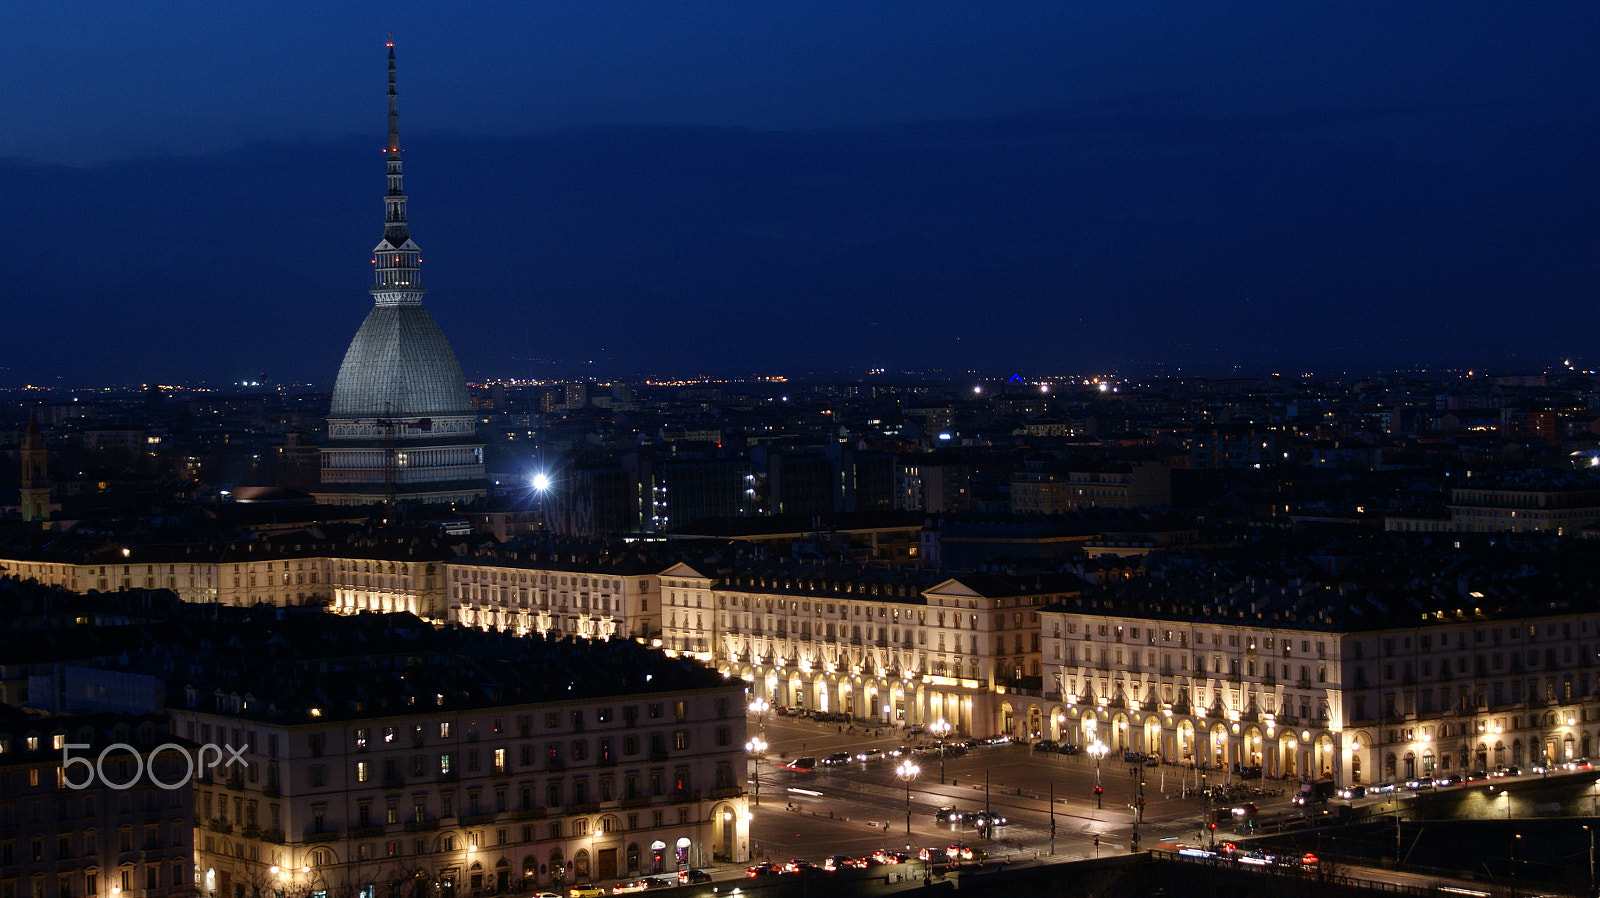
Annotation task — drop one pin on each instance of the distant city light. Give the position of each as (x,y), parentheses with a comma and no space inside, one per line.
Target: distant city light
(541,481)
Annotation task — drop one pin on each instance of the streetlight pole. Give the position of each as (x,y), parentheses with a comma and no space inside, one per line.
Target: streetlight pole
(941,729)
(759,708)
(1590,831)
(907,772)
(1097,750)
(757,747)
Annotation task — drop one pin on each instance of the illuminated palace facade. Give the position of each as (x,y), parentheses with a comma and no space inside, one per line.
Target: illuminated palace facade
(1243,680)
(896,650)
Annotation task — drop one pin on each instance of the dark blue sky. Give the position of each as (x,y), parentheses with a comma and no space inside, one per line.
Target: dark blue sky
(715,187)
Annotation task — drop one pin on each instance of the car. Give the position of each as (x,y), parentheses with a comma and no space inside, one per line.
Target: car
(762,869)
(949,815)
(843,862)
(1420,784)
(1507,771)
(836,759)
(998,740)
(800,765)
(545,895)
(1441,782)
(586,892)
(1350,792)
(872,754)
(1382,789)
(982,819)
(1067,748)
(638,885)
(799,865)
(966,853)
(1257,858)
(885,856)
(1248,809)
(693,875)
(1476,776)
(933,855)
(1044,745)
(1579,764)
(662,880)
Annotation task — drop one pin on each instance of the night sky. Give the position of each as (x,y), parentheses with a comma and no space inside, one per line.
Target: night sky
(623,189)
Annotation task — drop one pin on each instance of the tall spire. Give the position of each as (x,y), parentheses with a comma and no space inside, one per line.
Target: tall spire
(397,260)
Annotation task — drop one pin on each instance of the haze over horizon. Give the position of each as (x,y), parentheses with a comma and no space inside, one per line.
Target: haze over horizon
(789,190)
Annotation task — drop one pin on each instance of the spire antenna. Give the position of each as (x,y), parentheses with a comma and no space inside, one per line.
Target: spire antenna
(397,259)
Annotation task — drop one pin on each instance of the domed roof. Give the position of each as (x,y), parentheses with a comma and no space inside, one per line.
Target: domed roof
(399,366)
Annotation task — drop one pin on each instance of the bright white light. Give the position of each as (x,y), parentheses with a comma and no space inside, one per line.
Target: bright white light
(1104,387)
(541,482)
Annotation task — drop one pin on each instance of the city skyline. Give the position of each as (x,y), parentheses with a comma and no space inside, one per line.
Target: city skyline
(1038,190)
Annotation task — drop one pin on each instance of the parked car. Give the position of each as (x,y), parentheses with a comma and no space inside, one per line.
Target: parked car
(1045,745)
(1068,748)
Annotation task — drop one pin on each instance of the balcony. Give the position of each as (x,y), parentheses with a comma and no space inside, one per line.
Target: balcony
(274,836)
(635,802)
(1302,683)
(312,834)
(687,795)
(371,830)
(426,824)
(477,819)
(728,792)
(221,826)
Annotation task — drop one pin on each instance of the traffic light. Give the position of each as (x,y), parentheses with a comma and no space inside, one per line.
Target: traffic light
(1097,841)
(1211,825)
(1052,829)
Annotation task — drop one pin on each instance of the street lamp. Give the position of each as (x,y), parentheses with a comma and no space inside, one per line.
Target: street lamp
(759,708)
(757,748)
(907,772)
(1590,830)
(940,728)
(1097,750)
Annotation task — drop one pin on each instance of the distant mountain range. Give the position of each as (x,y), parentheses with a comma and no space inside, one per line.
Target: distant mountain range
(1073,239)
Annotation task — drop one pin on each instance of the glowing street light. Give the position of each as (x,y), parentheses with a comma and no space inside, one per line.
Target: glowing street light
(1097,750)
(907,772)
(757,748)
(940,728)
